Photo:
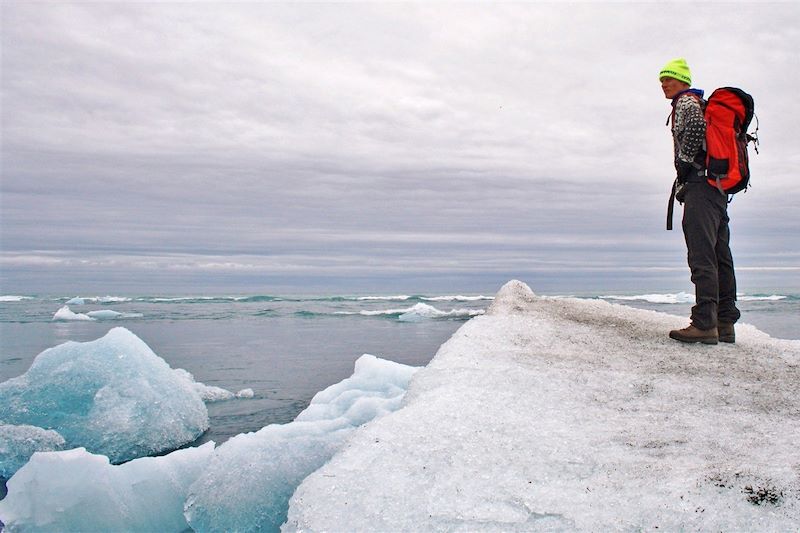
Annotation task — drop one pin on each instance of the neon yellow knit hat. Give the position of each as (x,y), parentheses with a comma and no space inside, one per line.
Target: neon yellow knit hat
(678,69)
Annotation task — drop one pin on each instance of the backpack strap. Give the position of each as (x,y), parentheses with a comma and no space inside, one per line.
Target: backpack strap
(671,204)
(719,186)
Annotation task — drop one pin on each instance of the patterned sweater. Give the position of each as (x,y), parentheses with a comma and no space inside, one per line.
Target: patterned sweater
(689,128)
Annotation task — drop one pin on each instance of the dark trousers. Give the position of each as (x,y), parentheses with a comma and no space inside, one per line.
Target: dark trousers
(705,228)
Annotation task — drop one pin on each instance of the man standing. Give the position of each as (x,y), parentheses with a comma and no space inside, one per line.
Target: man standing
(705,215)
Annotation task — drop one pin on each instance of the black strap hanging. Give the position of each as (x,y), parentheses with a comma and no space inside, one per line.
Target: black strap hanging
(671,205)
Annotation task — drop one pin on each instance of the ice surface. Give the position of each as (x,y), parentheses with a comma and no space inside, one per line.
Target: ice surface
(65,313)
(75,490)
(251,477)
(17,444)
(567,414)
(113,396)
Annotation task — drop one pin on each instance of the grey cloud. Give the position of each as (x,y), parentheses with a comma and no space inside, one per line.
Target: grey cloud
(372,138)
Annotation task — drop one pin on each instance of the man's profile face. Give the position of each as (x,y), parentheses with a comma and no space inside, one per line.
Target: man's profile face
(672,87)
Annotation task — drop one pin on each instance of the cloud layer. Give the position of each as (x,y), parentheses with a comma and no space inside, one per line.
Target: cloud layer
(384,140)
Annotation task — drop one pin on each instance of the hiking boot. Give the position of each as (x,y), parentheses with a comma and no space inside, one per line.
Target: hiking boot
(726,332)
(693,334)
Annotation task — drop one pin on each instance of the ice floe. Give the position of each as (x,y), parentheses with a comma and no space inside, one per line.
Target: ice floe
(66,314)
(75,490)
(567,414)
(14,298)
(251,477)
(113,396)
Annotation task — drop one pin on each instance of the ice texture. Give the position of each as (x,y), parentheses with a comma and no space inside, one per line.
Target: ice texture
(17,444)
(575,415)
(113,396)
(75,490)
(251,477)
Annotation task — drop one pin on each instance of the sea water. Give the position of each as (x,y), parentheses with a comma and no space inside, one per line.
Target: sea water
(287,348)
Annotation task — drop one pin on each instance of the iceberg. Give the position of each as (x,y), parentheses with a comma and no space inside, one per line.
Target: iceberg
(251,477)
(245,394)
(422,311)
(208,393)
(75,490)
(14,298)
(66,314)
(113,396)
(17,444)
(578,415)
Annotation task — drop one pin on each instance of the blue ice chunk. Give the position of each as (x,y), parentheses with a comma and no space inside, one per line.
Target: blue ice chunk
(251,477)
(113,396)
(74,490)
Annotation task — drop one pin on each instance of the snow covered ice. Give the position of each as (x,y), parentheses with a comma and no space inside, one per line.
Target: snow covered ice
(542,414)
(75,490)
(113,396)
(252,476)
(566,414)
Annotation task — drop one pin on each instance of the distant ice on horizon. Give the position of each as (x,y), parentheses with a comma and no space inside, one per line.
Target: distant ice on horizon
(417,312)
(13,298)
(66,314)
(666,298)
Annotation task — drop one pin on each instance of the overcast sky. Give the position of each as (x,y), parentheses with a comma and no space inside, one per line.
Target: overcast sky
(360,146)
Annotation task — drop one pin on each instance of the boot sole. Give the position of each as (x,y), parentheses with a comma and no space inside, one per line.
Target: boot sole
(729,340)
(691,340)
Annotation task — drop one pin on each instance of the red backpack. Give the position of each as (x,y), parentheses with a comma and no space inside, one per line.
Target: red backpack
(728,114)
